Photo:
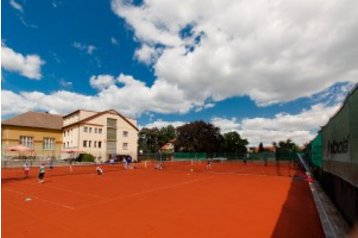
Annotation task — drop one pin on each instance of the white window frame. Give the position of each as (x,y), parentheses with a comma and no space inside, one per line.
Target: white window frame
(48,143)
(27,141)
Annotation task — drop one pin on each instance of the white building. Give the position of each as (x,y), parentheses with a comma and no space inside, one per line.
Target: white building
(101,134)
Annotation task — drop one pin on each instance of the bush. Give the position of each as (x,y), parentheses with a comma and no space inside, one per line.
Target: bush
(85,158)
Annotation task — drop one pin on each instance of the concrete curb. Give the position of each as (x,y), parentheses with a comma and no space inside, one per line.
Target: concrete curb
(333,224)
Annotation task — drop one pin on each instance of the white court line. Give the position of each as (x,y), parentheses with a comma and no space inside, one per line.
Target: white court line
(44,220)
(239,173)
(144,192)
(67,190)
(44,200)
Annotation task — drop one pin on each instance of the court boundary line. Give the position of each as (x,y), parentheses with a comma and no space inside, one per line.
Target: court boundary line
(67,190)
(39,218)
(40,199)
(250,174)
(144,192)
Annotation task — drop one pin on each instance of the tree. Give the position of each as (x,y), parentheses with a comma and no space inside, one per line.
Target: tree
(151,139)
(261,148)
(166,134)
(232,142)
(287,146)
(148,140)
(198,136)
(286,149)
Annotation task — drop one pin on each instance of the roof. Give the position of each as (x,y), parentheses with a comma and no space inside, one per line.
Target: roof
(112,111)
(77,111)
(36,120)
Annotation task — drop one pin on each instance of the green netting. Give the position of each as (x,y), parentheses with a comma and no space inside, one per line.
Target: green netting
(190,155)
(286,155)
(340,141)
(316,151)
(353,116)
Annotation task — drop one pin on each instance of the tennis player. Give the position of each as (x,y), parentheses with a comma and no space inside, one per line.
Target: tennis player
(26,169)
(42,173)
(208,166)
(99,170)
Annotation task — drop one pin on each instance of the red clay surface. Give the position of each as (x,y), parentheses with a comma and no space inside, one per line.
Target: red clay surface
(151,203)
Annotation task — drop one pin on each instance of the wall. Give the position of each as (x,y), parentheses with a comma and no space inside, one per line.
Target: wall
(10,135)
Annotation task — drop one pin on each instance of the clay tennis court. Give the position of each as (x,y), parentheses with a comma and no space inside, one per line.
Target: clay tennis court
(160,203)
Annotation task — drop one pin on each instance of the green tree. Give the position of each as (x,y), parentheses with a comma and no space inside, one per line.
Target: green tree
(287,146)
(166,134)
(148,140)
(85,157)
(232,142)
(198,136)
(261,147)
(151,139)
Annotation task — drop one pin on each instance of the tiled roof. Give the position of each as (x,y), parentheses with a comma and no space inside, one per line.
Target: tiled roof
(37,120)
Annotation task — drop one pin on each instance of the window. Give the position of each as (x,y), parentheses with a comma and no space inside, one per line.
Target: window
(95,144)
(95,130)
(68,144)
(49,143)
(84,143)
(111,122)
(27,141)
(85,129)
(89,143)
(100,131)
(111,133)
(64,134)
(64,145)
(125,146)
(90,130)
(99,144)
(125,133)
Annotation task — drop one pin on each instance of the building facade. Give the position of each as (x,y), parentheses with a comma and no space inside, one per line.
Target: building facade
(38,130)
(102,134)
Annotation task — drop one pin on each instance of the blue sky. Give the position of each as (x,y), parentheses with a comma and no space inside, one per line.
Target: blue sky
(269,70)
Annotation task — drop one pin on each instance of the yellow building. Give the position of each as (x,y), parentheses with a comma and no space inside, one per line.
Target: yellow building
(38,130)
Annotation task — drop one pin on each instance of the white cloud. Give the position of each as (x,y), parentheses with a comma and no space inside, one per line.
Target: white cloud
(28,66)
(114,41)
(17,6)
(301,127)
(124,93)
(101,82)
(160,124)
(147,54)
(65,84)
(272,51)
(89,49)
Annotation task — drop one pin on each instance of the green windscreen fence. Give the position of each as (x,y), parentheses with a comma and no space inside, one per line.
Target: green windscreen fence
(316,151)
(340,141)
(189,155)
